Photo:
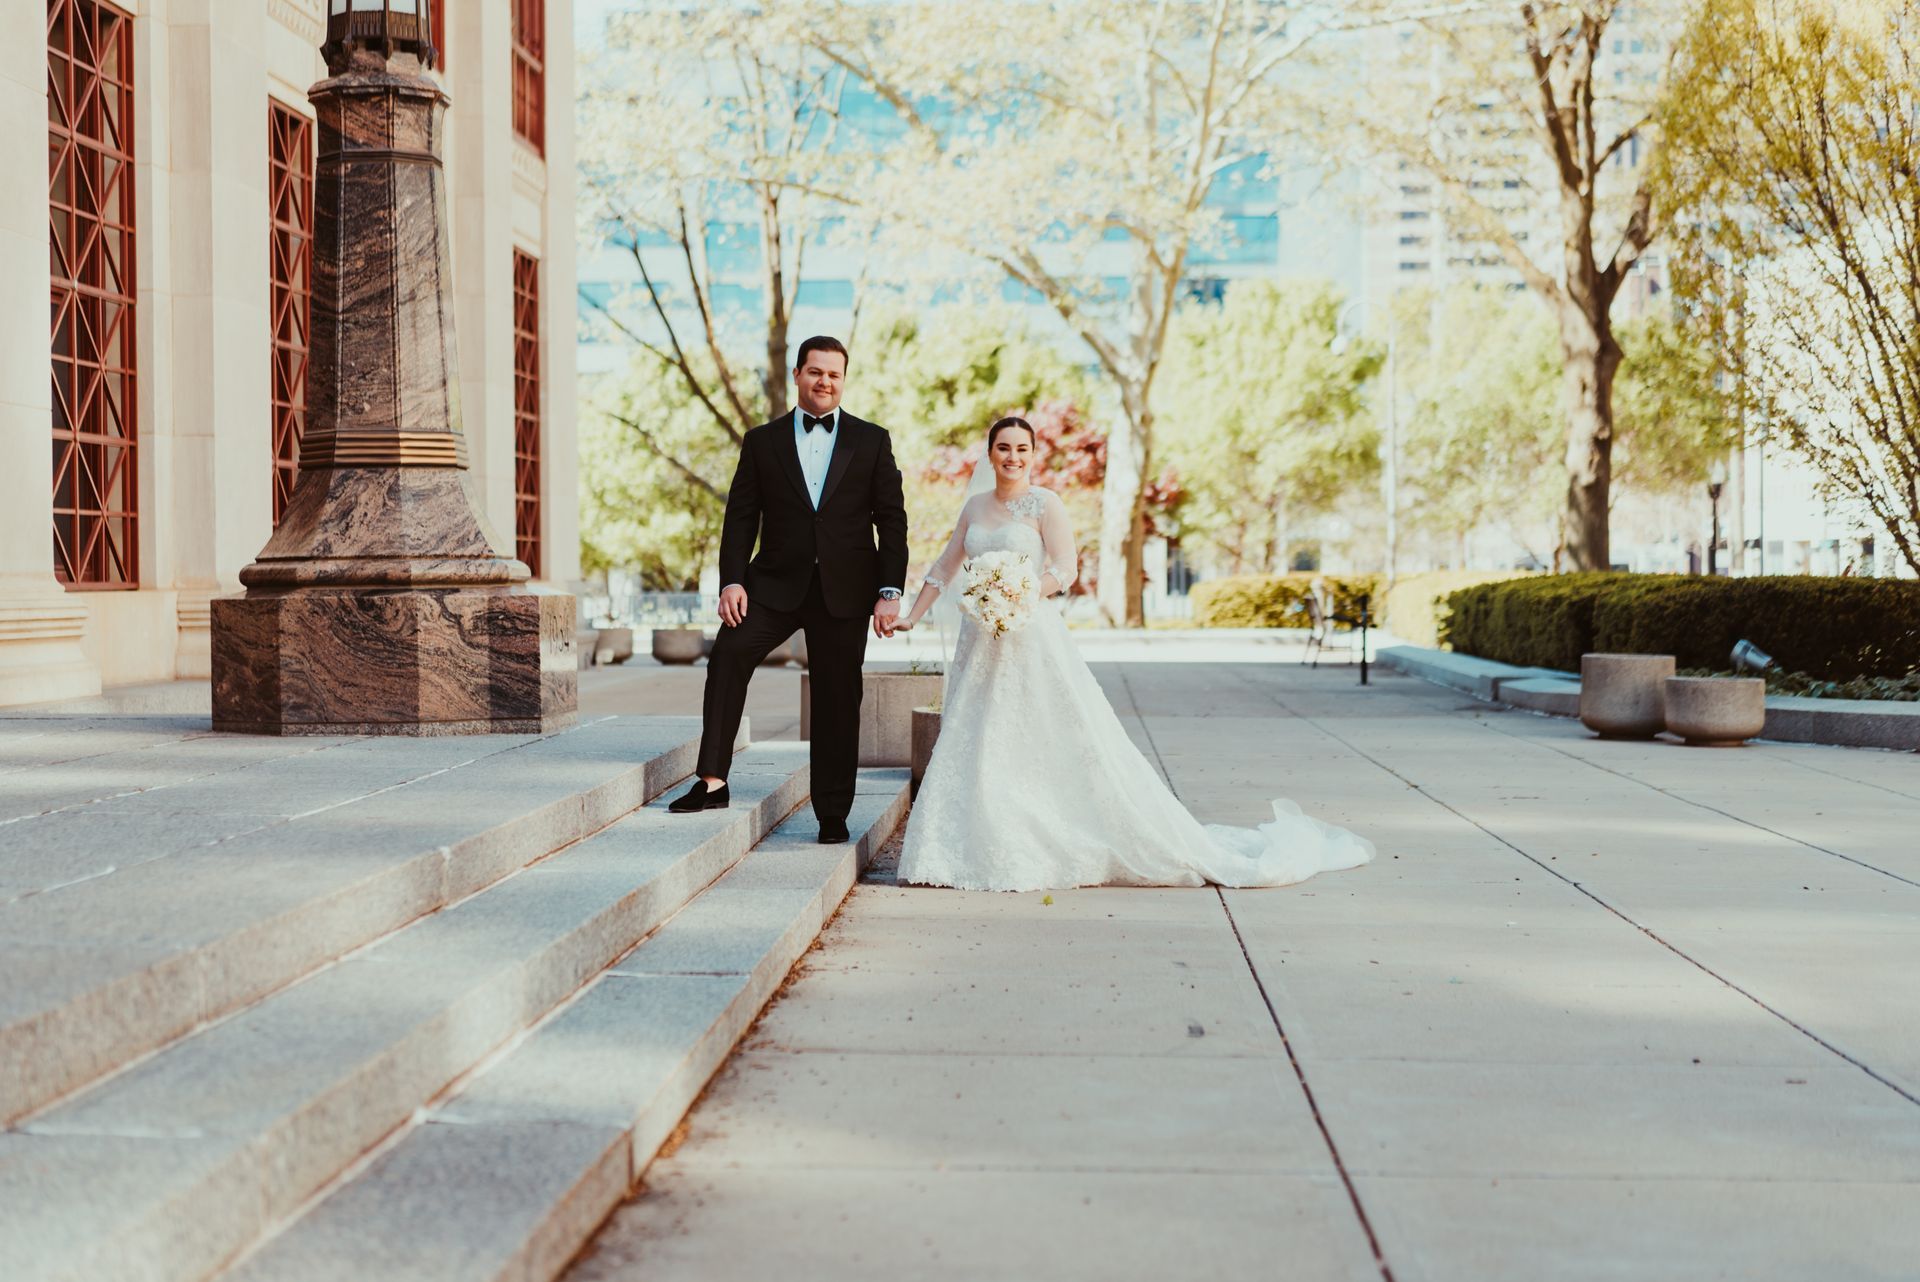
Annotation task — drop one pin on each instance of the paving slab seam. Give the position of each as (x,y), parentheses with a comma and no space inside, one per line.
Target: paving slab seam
(1712,809)
(279,822)
(1650,933)
(1299,1071)
(70,761)
(1313,1105)
(160,787)
(1793,759)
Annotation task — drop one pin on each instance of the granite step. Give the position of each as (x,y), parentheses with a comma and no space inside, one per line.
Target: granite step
(148,890)
(232,1129)
(510,1176)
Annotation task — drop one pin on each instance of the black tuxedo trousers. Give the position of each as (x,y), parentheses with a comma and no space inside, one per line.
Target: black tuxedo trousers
(836,649)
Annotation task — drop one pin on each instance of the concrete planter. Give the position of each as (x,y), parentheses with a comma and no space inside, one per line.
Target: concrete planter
(887,701)
(678,645)
(779,656)
(1716,712)
(613,645)
(926,732)
(1621,696)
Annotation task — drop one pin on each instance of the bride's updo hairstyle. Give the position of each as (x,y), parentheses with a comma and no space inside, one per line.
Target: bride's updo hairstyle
(1011,420)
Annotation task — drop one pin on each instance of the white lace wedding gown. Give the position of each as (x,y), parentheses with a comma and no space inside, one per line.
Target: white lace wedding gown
(1035,785)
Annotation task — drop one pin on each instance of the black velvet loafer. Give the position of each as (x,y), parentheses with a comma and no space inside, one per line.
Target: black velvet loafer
(700,797)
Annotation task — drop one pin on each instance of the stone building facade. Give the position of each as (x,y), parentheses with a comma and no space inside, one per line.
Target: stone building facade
(169,221)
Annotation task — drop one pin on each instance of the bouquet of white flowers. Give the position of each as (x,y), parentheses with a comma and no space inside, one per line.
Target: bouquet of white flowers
(1001,590)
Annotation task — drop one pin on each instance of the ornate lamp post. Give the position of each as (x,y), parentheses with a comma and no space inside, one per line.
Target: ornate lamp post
(384,603)
(1716,481)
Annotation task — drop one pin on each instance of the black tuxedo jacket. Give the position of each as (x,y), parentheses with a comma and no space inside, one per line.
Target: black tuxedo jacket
(768,504)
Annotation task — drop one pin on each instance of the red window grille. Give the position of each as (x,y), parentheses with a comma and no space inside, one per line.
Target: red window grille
(290,272)
(91,215)
(526,410)
(529,72)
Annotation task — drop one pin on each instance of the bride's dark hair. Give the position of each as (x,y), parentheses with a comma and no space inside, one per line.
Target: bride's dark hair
(1011,420)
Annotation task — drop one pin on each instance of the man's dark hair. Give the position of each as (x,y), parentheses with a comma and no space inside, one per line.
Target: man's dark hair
(821,343)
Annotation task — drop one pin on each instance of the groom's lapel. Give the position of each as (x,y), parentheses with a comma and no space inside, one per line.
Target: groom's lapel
(843,447)
(790,457)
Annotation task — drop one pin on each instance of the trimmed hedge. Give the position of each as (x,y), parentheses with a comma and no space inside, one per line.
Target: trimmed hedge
(1829,628)
(1274,600)
(1415,605)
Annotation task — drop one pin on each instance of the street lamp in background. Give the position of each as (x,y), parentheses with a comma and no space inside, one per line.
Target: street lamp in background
(1390,468)
(1716,481)
(391,26)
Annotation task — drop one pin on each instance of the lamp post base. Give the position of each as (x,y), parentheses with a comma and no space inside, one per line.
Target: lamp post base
(400,661)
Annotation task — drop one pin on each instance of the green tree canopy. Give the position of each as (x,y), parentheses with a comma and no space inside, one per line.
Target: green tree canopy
(1482,429)
(1264,416)
(1795,168)
(653,478)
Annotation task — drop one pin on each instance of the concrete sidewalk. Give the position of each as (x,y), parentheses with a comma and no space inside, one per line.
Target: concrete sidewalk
(1599,1010)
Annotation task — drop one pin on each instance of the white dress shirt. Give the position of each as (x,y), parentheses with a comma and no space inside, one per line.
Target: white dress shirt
(816,451)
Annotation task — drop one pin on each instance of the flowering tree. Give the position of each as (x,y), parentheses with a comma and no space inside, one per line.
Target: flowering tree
(1074,147)
(697,133)
(1483,432)
(1071,460)
(1271,425)
(1797,167)
(1523,121)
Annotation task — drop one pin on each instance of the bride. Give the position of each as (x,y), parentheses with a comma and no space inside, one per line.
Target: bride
(1034,784)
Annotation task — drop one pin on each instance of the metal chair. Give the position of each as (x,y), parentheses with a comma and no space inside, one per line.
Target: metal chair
(1325,631)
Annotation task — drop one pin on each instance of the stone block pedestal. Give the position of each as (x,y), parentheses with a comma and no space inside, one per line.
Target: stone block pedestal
(926,733)
(414,661)
(887,702)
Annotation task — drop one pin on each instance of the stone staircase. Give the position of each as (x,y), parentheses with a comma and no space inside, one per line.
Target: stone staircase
(434,1029)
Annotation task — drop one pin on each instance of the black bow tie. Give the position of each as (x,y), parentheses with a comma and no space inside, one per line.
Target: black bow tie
(809,421)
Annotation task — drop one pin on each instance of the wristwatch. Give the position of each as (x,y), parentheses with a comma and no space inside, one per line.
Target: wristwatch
(889,594)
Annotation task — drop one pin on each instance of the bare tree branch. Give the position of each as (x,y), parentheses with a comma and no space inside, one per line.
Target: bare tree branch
(653,446)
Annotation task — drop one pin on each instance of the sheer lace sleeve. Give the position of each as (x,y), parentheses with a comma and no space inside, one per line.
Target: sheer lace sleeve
(947,564)
(1063,558)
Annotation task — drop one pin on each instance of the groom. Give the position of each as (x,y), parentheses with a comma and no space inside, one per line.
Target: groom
(813,487)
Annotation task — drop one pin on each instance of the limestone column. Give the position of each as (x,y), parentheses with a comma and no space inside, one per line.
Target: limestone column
(480,168)
(219,507)
(40,624)
(385,602)
(559,327)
